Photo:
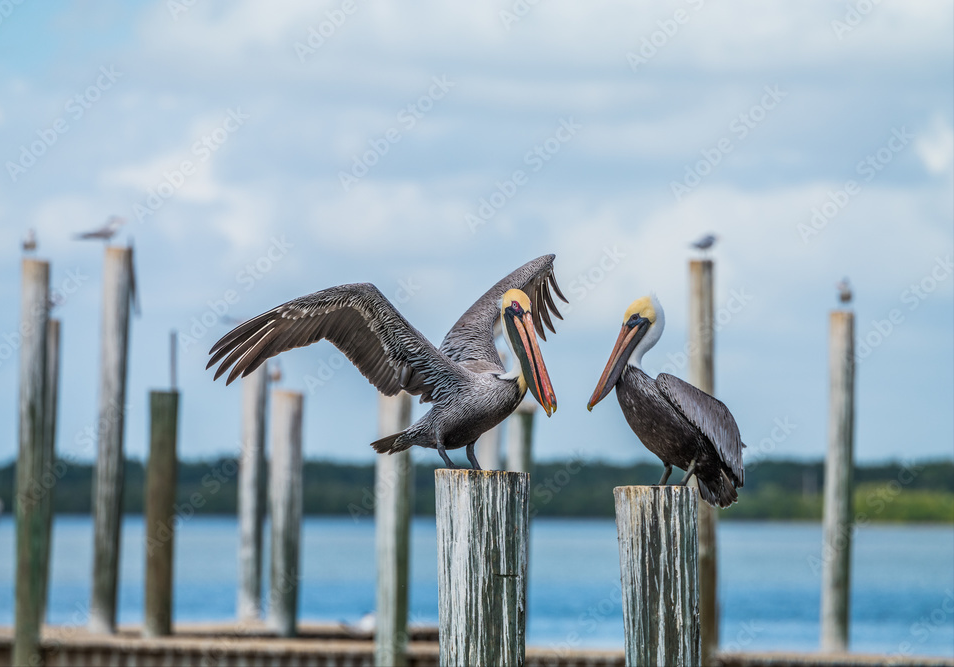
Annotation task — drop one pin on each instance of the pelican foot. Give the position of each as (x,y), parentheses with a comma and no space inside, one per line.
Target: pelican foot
(472,457)
(450,464)
(689,473)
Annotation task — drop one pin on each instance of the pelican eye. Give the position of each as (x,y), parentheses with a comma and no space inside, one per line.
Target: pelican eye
(633,319)
(516,307)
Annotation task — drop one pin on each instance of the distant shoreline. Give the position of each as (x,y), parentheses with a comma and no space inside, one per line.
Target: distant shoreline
(918,493)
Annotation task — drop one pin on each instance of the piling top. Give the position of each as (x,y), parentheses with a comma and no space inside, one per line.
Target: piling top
(654,491)
(477,474)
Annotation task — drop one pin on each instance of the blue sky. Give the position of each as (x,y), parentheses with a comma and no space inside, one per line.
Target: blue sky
(365,154)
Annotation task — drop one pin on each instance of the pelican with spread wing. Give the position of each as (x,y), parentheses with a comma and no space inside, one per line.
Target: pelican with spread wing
(465,379)
(682,425)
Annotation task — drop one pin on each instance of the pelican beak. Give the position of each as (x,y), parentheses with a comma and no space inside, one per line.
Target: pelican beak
(524,339)
(629,336)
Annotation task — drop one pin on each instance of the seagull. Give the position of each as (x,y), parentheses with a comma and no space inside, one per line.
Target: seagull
(844,290)
(29,241)
(705,243)
(106,232)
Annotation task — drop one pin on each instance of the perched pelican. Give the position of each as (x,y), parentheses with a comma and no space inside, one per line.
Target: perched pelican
(465,379)
(29,241)
(682,425)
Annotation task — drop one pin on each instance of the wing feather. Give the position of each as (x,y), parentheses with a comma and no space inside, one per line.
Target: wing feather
(709,415)
(360,322)
(472,337)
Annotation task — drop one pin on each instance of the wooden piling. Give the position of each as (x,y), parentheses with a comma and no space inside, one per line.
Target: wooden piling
(837,523)
(393,498)
(702,375)
(33,486)
(520,437)
(52,392)
(285,492)
(251,494)
(482,538)
(160,513)
(107,490)
(487,449)
(658,559)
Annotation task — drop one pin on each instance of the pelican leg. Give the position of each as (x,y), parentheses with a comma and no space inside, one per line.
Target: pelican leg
(689,473)
(472,456)
(667,471)
(443,453)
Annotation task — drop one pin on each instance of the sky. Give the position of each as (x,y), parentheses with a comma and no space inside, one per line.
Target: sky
(268,150)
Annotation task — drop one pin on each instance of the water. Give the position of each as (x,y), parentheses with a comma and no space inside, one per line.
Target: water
(902,597)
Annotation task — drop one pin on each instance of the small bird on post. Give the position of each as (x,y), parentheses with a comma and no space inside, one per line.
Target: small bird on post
(844,290)
(106,232)
(705,243)
(29,241)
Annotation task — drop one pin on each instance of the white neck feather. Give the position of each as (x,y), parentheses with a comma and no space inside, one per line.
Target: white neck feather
(651,338)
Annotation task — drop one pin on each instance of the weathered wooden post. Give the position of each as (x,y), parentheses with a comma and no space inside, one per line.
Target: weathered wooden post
(52,403)
(702,375)
(487,449)
(284,487)
(107,490)
(658,554)
(393,497)
(482,537)
(251,494)
(520,437)
(32,496)
(160,513)
(837,522)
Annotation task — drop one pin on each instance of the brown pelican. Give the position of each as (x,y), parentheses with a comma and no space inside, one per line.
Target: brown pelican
(465,379)
(682,425)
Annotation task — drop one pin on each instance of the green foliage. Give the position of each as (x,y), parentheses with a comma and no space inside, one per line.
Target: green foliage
(780,490)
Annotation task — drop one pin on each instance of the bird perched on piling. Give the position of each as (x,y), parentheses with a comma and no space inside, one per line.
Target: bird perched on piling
(29,241)
(465,378)
(681,424)
(106,232)
(705,243)
(844,290)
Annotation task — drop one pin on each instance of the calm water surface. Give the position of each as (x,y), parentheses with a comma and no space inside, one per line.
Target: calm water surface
(902,596)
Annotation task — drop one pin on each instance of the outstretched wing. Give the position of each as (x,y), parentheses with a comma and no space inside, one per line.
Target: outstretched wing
(360,322)
(710,416)
(472,337)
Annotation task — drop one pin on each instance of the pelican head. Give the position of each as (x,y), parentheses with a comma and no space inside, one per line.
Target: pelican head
(529,369)
(643,324)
